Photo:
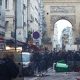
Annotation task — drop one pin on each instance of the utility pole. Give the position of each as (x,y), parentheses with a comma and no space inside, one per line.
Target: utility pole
(27,24)
(15,22)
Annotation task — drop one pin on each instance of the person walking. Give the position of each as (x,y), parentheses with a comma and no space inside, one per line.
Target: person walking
(36,60)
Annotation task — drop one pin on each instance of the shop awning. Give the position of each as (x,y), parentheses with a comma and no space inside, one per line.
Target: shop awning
(12,42)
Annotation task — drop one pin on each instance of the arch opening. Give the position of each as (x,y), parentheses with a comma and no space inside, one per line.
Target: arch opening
(63,34)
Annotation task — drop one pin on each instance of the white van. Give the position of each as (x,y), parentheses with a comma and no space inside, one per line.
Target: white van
(25,65)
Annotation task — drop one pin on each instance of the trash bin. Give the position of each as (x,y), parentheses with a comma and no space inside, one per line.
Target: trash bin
(61,67)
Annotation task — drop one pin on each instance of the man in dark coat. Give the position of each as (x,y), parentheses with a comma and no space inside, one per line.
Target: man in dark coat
(36,59)
(8,69)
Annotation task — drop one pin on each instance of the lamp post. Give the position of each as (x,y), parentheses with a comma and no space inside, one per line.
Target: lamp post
(15,22)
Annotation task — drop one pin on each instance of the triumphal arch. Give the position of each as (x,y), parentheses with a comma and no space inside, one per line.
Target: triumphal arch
(62,9)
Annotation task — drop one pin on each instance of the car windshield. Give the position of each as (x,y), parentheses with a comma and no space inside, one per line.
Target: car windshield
(22,57)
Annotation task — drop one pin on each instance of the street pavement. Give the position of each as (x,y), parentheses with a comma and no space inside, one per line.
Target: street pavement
(26,78)
(52,75)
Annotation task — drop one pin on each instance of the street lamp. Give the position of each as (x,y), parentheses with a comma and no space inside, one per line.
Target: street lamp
(15,22)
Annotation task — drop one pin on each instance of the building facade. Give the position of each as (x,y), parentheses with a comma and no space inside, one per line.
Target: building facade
(2,23)
(24,17)
(33,12)
(15,20)
(42,22)
(35,19)
(9,19)
(27,19)
(21,21)
(2,18)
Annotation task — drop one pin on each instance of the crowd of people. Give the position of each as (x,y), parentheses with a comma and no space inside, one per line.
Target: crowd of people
(43,60)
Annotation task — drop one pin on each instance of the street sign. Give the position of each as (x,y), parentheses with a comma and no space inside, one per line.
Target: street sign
(36,35)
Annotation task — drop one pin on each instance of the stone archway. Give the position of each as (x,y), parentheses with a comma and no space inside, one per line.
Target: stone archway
(62,9)
(70,18)
(63,34)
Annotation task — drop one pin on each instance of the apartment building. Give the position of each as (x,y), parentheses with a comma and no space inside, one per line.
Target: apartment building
(2,18)
(9,19)
(21,15)
(35,13)
(2,23)
(28,19)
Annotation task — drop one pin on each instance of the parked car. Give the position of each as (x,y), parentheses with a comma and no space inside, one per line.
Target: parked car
(24,63)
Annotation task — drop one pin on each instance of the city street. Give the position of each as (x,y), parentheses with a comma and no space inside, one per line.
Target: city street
(52,75)
(60,76)
(39,39)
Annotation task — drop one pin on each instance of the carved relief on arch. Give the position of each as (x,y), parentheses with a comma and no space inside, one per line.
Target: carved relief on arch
(70,18)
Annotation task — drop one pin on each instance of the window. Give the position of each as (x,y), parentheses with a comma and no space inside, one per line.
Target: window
(6,25)
(36,20)
(24,6)
(36,8)
(0,2)
(24,24)
(32,18)
(6,4)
